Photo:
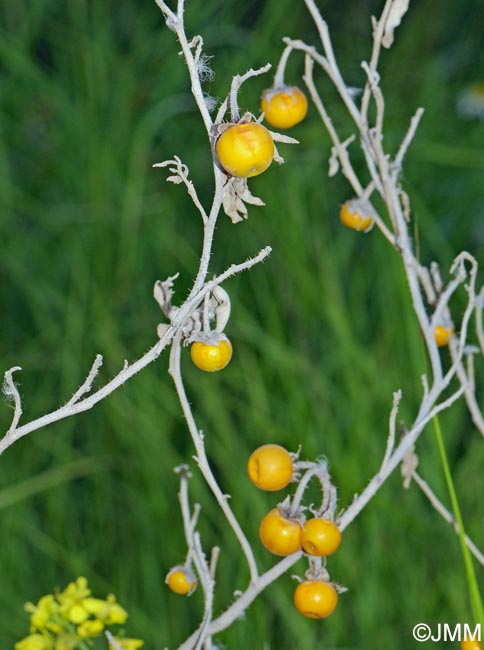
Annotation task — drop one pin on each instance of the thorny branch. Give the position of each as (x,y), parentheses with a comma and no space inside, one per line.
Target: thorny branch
(76,404)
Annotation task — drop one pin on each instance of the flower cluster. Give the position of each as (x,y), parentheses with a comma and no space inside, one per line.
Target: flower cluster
(70,619)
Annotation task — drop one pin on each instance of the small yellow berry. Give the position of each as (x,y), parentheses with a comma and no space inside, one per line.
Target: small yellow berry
(270,467)
(351,216)
(315,599)
(181,580)
(211,357)
(320,537)
(245,150)
(284,107)
(280,535)
(442,335)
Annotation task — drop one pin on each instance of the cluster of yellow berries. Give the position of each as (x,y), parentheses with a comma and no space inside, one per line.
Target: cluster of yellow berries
(247,149)
(270,468)
(62,620)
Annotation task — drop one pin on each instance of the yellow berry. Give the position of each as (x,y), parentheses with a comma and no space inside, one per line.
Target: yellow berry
(280,535)
(320,537)
(211,357)
(284,107)
(442,335)
(351,217)
(315,599)
(245,150)
(181,580)
(270,467)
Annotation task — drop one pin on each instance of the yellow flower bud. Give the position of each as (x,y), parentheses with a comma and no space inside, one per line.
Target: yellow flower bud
(34,642)
(116,615)
(89,629)
(44,614)
(77,614)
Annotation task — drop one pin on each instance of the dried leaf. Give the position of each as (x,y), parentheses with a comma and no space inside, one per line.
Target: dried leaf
(253,200)
(163,293)
(408,467)
(279,137)
(236,195)
(162,329)
(233,206)
(397,11)
(242,190)
(277,156)
(174,179)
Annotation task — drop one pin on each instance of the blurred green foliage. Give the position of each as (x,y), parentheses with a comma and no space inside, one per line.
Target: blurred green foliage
(93,93)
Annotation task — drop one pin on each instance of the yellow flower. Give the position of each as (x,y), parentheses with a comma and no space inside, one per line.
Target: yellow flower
(71,598)
(116,614)
(75,591)
(127,644)
(76,614)
(108,611)
(96,606)
(44,614)
(89,629)
(53,617)
(35,642)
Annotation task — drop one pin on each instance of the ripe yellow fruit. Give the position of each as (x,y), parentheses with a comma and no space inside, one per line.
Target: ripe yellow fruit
(181,580)
(315,599)
(280,535)
(442,335)
(351,217)
(284,107)
(211,357)
(245,150)
(270,467)
(320,537)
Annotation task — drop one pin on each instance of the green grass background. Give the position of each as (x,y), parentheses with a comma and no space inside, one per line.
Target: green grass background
(93,93)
